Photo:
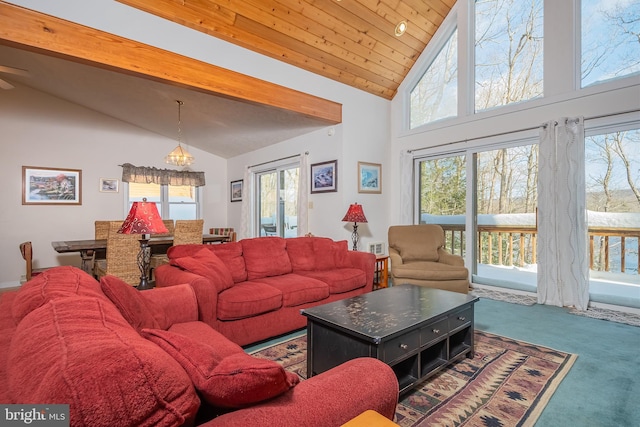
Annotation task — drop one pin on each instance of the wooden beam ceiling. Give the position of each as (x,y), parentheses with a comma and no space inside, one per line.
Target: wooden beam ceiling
(350,41)
(26,29)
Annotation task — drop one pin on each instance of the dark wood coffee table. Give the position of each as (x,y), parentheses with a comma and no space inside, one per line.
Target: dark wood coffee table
(415,330)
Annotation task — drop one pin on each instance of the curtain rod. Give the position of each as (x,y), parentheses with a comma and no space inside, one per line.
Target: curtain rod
(306,153)
(514,131)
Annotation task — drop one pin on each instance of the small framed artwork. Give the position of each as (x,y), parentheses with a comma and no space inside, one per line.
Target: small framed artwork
(369,178)
(236,191)
(108,185)
(324,177)
(51,186)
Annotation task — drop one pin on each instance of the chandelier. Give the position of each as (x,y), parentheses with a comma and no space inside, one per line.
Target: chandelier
(179,156)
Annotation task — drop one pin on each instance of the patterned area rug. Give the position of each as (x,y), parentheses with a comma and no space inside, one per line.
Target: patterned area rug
(507,383)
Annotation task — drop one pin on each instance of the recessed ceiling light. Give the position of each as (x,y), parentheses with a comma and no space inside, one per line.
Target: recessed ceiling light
(401,28)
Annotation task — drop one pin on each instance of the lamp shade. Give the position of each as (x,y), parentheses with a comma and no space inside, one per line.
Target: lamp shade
(143,218)
(355,214)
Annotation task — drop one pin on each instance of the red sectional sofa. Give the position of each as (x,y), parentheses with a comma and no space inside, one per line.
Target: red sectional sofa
(120,357)
(254,289)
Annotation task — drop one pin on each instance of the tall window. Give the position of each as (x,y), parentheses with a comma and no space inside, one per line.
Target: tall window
(173,201)
(610,35)
(435,96)
(612,162)
(442,193)
(508,52)
(277,201)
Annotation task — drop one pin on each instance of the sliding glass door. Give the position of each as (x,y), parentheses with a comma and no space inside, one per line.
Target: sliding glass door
(277,201)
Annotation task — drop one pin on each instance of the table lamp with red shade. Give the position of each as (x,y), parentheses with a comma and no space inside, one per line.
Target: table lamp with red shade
(143,219)
(355,215)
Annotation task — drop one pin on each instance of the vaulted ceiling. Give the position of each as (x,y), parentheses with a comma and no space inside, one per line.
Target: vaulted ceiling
(351,41)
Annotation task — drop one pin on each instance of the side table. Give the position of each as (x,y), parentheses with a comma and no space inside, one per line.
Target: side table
(381,275)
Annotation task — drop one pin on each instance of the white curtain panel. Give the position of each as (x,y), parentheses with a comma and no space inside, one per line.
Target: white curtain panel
(245,215)
(406,188)
(303,195)
(563,274)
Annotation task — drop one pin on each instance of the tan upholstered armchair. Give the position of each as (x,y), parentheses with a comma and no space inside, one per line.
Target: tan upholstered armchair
(418,257)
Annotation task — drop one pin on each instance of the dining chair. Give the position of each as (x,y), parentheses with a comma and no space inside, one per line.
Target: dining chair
(224,231)
(122,256)
(26,249)
(188,231)
(101,231)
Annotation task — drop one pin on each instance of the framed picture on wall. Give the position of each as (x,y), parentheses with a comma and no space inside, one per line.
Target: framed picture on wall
(236,191)
(369,178)
(108,185)
(324,177)
(51,186)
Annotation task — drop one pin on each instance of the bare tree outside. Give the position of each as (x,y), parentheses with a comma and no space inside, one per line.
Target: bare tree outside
(610,39)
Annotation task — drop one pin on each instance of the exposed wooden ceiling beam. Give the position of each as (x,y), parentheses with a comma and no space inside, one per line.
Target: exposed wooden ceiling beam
(27,29)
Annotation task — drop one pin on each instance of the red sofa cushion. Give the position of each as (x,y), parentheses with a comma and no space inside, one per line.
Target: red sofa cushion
(298,289)
(340,250)
(265,256)
(234,381)
(207,264)
(300,250)
(324,249)
(53,283)
(248,299)
(339,280)
(230,253)
(81,351)
(134,308)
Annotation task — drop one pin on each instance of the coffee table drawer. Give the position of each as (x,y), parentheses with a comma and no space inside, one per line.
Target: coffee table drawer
(401,346)
(461,318)
(434,331)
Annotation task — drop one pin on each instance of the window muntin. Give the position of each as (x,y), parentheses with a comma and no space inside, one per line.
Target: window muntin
(610,40)
(508,52)
(435,96)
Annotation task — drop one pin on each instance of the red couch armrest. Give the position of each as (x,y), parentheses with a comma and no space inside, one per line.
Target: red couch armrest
(366,262)
(178,302)
(206,293)
(329,399)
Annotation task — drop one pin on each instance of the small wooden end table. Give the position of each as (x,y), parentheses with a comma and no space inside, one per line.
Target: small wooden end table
(381,278)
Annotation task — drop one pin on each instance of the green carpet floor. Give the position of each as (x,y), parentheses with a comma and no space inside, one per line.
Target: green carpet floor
(602,388)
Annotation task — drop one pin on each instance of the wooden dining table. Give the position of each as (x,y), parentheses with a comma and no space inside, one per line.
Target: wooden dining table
(97,249)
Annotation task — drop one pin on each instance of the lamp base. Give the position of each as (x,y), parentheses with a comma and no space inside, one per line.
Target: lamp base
(144,259)
(354,236)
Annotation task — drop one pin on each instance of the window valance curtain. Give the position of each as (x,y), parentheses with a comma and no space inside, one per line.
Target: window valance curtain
(151,175)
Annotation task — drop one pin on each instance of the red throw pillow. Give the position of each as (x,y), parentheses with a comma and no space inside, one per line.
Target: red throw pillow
(233,381)
(131,305)
(206,264)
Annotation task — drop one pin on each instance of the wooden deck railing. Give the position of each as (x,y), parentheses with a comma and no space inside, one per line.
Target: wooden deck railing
(517,245)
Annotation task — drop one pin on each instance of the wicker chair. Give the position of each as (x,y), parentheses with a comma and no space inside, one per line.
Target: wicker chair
(224,231)
(27,254)
(122,256)
(188,231)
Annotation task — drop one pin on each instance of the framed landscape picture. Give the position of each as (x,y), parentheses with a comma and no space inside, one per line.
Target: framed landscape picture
(51,186)
(108,185)
(369,178)
(324,177)
(236,191)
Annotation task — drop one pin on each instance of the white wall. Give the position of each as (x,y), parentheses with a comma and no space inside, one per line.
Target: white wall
(43,131)
(363,135)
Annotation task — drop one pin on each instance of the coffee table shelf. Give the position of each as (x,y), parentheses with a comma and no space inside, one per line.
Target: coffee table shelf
(415,330)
